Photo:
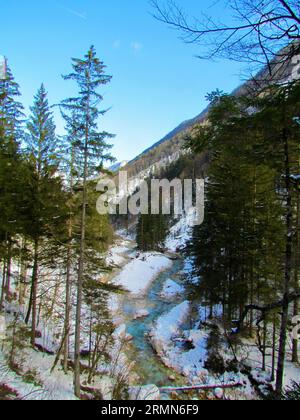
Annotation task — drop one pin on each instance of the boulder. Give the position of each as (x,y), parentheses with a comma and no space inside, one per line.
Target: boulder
(141,314)
(219,393)
(120,332)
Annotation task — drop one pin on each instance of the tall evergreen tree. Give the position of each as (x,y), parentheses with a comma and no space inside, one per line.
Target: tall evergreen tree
(92,148)
(11,177)
(251,216)
(45,189)
(280,132)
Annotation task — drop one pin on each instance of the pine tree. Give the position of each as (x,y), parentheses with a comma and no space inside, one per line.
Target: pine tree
(11,176)
(276,120)
(251,215)
(11,110)
(89,75)
(46,194)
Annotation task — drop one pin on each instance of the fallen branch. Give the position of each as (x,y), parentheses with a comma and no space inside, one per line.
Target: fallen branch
(283,303)
(201,387)
(42,349)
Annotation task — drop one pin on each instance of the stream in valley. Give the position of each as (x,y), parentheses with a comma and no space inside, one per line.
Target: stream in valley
(149,367)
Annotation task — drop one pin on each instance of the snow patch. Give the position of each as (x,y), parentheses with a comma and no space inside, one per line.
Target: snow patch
(171,290)
(144,393)
(167,327)
(137,276)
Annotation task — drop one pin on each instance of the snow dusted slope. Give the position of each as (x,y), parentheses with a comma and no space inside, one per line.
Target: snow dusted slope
(181,233)
(170,147)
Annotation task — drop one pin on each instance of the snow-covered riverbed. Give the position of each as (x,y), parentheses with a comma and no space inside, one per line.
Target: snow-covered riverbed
(166,328)
(153,314)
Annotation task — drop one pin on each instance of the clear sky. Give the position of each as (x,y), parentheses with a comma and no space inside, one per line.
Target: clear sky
(157,81)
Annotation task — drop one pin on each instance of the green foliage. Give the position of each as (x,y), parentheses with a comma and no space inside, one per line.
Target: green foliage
(82,113)
(151,232)
(239,248)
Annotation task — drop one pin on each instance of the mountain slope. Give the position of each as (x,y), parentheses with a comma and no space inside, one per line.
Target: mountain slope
(169,148)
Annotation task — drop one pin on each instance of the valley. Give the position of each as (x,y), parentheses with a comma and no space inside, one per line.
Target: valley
(138,266)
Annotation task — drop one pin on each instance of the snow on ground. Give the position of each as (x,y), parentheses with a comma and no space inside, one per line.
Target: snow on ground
(171,290)
(144,393)
(115,256)
(118,253)
(254,360)
(181,349)
(166,330)
(181,232)
(191,362)
(186,362)
(55,386)
(137,276)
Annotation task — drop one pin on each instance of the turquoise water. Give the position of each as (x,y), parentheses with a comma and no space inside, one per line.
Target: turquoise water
(148,366)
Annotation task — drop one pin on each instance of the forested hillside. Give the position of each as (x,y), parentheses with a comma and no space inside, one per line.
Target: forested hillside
(169,147)
(51,232)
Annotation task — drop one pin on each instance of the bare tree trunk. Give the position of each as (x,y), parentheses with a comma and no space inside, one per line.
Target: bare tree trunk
(59,351)
(90,339)
(252,297)
(3,284)
(295,356)
(79,294)
(34,292)
(13,343)
(81,265)
(67,309)
(23,275)
(274,350)
(8,271)
(264,367)
(288,269)
(54,299)
(32,307)
(69,268)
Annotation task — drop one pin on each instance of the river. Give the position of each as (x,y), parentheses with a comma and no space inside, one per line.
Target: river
(148,366)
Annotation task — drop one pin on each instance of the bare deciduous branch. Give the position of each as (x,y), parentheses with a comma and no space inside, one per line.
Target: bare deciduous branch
(262,31)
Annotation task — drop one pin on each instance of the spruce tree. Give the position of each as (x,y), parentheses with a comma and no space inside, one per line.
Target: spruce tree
(92,150)
(45,190)
(11,177)
(251,214)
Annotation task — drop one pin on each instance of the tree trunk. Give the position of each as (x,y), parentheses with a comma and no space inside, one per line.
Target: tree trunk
(34,292)
(79,295)
(81,264)
(295,356)
(23,275)
(3,285)
(54,299)
(274,350)
(67,309)
(69,268)
(288,269)
(8,272)
(264,366)
(32,307)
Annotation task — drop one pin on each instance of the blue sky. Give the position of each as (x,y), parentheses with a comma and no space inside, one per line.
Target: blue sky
(157,81)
